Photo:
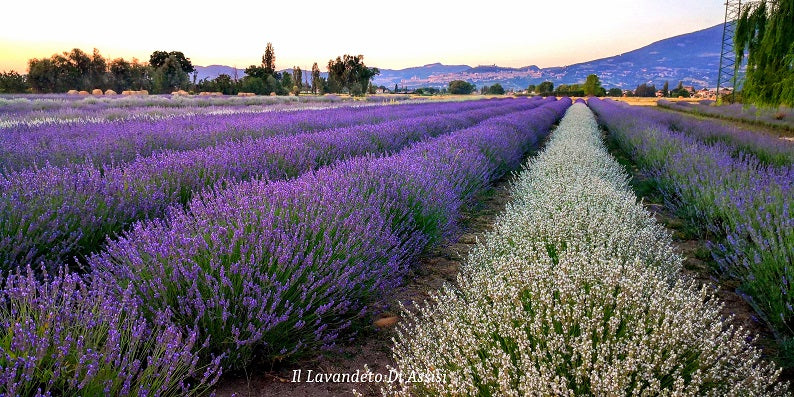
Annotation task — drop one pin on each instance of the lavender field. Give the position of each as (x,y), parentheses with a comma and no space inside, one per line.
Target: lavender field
(153,246)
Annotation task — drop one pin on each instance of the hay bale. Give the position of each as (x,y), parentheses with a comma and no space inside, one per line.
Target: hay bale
(245,94)
(83,93)
(110,92)
(272,94)
(96,91)
(71,92)
(142,92)
(127,92)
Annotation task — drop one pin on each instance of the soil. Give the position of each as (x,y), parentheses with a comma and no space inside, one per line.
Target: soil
(372,346)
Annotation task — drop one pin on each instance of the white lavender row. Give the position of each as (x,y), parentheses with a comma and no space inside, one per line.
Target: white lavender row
(576,293)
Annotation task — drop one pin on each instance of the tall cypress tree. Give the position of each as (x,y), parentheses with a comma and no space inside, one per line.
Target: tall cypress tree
(766,29)
(269,59)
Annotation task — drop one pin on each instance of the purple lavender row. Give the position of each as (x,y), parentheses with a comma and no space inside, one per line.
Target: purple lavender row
(108,143)
(277,269)
(76,336)
(54,214)
(781,117)
(67,336)
(747,204)
(17,105)
(767,148)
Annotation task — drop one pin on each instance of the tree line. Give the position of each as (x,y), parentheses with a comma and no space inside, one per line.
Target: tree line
(166,72)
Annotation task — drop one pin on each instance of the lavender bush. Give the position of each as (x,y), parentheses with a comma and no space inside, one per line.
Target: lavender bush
(68,336)
(105,143)
(767,148)
(280,268)
(747,205)
(53,214)
(781,117)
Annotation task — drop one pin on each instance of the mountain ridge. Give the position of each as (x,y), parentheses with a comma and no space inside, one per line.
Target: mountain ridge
(691,58)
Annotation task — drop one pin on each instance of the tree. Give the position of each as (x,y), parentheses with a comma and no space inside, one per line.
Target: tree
(13,83)
(269,59)
(545,88)
(460,87)
(286,82)
(317,84)
(766,31)
(615,92)
(645,90)
(592,85)
(120,74)
(349,72)
(170,76)
(395,88)
(297,75)
(159,58)
(97,71)
(531,88)
(666,88)
(496,89)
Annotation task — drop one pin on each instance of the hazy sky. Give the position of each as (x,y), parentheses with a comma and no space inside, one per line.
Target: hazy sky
(390,35)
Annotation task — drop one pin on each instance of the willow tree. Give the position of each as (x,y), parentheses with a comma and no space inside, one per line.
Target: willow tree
(766,30)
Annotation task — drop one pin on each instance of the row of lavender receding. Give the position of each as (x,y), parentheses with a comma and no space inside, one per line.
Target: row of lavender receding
(768,148)
(72,115)
(114,142)
(781,117)
(746,205)
(267,270)
(16,105)
(54,214)
(576,291)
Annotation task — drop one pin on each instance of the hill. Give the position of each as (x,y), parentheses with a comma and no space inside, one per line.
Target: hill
(692,58)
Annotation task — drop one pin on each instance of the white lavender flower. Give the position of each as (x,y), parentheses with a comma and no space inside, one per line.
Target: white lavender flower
(576,291)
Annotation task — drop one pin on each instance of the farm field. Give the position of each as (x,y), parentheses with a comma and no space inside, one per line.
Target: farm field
(171,253)
(781,118)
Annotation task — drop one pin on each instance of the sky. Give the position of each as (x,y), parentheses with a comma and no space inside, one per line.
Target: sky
(391,35)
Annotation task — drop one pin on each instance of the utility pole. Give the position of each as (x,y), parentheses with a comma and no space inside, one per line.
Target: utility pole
(726,75)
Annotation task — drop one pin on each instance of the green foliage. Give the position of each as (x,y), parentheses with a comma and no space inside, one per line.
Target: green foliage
(645,90)
(170,76)
(666,88)
(592,86)
(460,87)
(297,75)
(766,30)
(159,58)
(269,59)
(223,83)
(318,85)
(545,88)
(569,90)
(615,92)
(531,88)
(349,73)
(426,91)
(495,89)
(13,82)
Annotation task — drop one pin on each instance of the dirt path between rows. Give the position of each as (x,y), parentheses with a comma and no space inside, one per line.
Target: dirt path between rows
(373,346)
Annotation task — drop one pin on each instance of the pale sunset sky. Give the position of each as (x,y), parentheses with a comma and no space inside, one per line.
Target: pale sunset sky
(390,35)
